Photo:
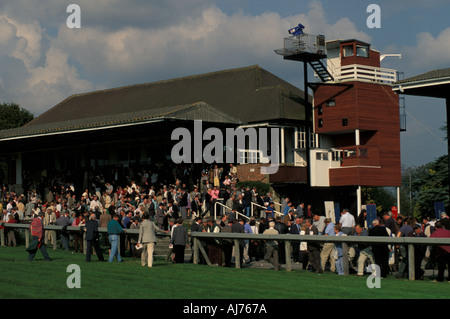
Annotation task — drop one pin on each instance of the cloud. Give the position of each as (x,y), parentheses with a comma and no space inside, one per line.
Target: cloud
(32,76)
(430,52)
(122,43)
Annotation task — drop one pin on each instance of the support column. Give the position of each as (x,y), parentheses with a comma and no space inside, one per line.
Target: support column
(358,200)
(447,102)
(19,169)
(308,112)
(282,148)
(398,201)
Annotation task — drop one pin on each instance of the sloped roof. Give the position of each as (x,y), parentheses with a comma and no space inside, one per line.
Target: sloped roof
(200,110)
(435,83)
(431,75)
(249,94)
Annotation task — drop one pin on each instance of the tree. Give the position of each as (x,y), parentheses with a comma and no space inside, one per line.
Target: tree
(426,185)
(380,196)
(13,116)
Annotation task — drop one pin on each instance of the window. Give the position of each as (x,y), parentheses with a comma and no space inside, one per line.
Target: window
(319,110)
(331,103)
(347,50)
(313,143)
(362,51)
(322,156)
(344,122)
(320,122)
(336,156)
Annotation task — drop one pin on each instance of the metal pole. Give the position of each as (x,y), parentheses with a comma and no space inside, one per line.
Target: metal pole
(447,103)
(307,125)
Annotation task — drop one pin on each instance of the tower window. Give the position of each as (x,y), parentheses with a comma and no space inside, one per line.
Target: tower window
(362,51)
(331,103)
(347,50)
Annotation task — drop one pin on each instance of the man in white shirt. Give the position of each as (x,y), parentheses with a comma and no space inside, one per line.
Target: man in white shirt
(94,203)
(347,222)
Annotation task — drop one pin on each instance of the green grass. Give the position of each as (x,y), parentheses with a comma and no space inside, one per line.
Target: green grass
(129,280)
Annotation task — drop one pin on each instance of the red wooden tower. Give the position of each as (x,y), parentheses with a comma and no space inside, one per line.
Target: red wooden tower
(356,118)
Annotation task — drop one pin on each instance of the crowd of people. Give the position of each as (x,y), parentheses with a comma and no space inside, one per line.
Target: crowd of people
(177,208)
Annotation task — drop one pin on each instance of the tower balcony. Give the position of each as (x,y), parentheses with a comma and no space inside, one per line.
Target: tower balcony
(358,72)
(359,155)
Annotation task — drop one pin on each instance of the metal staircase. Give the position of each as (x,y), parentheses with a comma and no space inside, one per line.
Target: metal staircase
(321,71)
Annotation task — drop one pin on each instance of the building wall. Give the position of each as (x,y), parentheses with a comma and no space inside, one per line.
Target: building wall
(373,109)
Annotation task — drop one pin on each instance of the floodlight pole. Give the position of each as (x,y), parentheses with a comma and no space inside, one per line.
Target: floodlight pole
(307,126)
(447,106)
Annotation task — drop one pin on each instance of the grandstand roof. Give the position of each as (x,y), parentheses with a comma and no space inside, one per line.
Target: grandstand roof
(250,94)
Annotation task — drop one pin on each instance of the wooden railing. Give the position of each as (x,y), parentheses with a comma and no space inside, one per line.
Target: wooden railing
(346,241)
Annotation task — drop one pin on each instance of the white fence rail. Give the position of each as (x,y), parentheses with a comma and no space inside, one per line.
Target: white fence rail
(365,73)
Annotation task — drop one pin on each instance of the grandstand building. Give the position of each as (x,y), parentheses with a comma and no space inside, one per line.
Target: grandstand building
(354,139)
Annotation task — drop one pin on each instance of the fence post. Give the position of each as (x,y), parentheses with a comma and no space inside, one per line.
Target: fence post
(2,234)
(288,246)
(345,258)
(412,269)
(27,237)
(196,243)
(237,253)
(84,243)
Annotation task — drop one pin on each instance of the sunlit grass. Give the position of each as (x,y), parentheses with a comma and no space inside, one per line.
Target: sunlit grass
(129,280)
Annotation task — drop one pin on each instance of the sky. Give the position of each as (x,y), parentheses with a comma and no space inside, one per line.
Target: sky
(125,42)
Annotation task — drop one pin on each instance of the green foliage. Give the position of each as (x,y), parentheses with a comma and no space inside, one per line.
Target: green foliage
(379,196)
(13,116)
(427,184)
(261,188)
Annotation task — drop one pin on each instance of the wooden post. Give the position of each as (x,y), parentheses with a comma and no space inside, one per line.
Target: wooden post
(85,243)
(411,266)
(287,247)
(205,255)
(196,243)
(27,237)
(237,254)
(345,258)
(2,234)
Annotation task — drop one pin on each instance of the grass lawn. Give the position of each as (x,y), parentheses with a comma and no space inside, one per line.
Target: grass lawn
(129,280)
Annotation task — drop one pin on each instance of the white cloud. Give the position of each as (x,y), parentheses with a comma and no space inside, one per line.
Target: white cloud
(430,52)
(118,45)
(31,78)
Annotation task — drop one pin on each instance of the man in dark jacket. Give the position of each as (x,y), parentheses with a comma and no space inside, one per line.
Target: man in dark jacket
(237,227)
(179,240)
(313,247)
(247,201)
(380,251)
(92,238)
(282,229)
(227,244)
(64,222)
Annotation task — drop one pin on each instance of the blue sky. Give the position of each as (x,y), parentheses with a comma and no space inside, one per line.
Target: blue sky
(127,42)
